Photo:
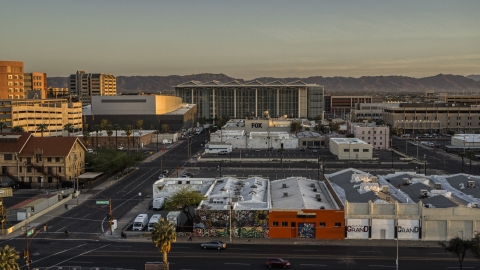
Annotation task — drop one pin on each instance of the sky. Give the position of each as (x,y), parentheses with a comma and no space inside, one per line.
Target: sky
(243,39)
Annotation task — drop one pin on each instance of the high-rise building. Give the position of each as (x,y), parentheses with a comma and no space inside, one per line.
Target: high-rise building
(85,85)
(11,80)
(35,85)
(253,99)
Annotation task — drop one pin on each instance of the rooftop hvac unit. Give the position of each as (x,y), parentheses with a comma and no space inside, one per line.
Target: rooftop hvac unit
(406,181)
(284,185)
(374,179)
(210,200)
(312,185)
(471,184)
(386,189)
(237,193)
(474,205)
(285,194)
(423,193)
(317,196)
(388,198)
(314,190)
(438,186)
(428,205)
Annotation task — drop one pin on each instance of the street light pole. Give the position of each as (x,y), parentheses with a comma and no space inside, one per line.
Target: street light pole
(396,228)
(231,208)
(425,166)
(318,165)
(392,158)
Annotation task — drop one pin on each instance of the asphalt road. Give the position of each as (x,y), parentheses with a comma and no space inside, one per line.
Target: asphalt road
(133,255)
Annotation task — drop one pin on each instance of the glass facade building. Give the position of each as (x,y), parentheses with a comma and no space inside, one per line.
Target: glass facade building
(252,99)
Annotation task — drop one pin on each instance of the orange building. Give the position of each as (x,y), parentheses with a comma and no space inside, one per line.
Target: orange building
(36,85)
(303,208)
(11,80)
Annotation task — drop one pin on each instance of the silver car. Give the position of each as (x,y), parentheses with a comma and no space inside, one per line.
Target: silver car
(215,244)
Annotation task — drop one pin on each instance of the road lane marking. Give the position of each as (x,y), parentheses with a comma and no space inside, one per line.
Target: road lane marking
(240,248)
(77,256)
(462,267)
(313,264)
(375,265)
(79,262)
(311,250)
(237,263)
(37,260)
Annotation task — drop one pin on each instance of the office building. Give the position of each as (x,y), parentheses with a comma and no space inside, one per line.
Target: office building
(341,105)
(35,85)
(85,85)
(377,136)
(350,149)
(253,99)
(11,80)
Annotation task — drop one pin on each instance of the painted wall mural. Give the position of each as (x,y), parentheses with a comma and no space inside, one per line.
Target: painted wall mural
(245,223)
(306,230)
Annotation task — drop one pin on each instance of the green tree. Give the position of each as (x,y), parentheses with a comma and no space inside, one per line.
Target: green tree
(470,155)
(42,128)
(165,128)
(462,155)
(116,127)
(281,155)
(202,121)
(2,126)
(109,129)
(295,127)
(8,258)
(86,137)
(163,234)
(69,128)
(103,124)
(97,129)
(128,132)
(18,129)
(139,124)
(110,160)
(458,247)
(183,199)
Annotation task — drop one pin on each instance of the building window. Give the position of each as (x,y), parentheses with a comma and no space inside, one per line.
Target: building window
(380,132)
(20,169)
(338,224)
(322,224)
(50,179)
(30,179)
(38,157)
(363,132)
(346,150)
(365,150)
(284,224)
(39,179)
(59,169)
(380,143)
(49,159)
(356,150)
(57,159)
(275,224)
(29,169)
(8,156)
(10,77)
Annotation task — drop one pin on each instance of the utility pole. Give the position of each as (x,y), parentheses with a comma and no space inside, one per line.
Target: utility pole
(26,254)
(111,216)
(3,214)
(318,165)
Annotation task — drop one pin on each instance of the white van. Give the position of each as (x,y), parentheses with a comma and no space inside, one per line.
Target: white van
(158,203)
(153,220)
(140,222)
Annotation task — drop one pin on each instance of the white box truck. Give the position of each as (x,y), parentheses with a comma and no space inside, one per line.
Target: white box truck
(158,203)
(140,222)
(153,220)
(174,217)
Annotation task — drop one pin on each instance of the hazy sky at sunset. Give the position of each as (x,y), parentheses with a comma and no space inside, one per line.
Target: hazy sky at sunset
(243,39)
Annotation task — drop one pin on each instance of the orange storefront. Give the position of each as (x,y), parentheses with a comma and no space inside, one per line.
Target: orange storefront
(319,224)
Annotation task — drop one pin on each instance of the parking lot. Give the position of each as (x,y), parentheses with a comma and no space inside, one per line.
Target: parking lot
(275,154)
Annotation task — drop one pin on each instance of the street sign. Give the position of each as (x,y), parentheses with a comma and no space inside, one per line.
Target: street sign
(30,232)
(103,202)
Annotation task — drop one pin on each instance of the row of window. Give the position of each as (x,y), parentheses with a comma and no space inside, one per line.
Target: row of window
(374,132)
(49,169)
(355,150)
(321,224)
(15,83)
(15,90)
(14,77)
(16,97)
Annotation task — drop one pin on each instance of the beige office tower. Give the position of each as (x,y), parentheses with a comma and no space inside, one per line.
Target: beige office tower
(85,85)
(11,80)
(35,85)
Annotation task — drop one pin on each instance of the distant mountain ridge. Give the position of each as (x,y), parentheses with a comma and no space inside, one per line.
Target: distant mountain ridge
(333,85)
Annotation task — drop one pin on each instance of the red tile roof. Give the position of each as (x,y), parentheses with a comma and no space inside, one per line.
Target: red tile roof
(9,142)
(51,146)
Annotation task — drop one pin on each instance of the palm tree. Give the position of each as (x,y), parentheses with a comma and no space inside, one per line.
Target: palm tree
(281,155)
(128,132)
(116,127)
(86,136)
(163,235)
(18,129)
(470,155)
(462,155)
(68,127)
(2,126)
(8,258)
(42,128)
(109,133)
(96,128)
(104,123)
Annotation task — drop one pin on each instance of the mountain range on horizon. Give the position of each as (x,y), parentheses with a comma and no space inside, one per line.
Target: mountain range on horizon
(333,85)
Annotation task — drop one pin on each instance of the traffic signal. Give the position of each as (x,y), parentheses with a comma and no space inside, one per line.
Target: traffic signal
(32,209)
(109,217)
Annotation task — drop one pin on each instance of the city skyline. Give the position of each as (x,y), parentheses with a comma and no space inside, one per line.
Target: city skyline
(244,39)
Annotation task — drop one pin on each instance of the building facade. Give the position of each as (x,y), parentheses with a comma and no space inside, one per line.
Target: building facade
(350,149)
(340,105)
(433,117)
(377,136)
(11,80)
(366,111)
(85,85)
(252,99)
(35,85)
(55,113)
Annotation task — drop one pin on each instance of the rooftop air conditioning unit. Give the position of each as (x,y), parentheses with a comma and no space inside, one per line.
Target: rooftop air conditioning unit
(388,198)
(237,193)
(285,194)
(471,184)
(474,205)
(284,185)
(406,181)
(314,190)
(312,185)
(386,189)
(317,196)
(423,193)
(428,205)
(374,179)
(438,186)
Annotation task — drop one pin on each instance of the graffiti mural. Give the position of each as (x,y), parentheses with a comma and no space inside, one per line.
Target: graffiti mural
(245,223)
(306,230)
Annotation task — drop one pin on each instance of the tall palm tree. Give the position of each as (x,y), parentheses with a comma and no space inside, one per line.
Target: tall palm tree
(104,123)
(97,129)
(18,129)
(2,126)
(116,127)
(69,128)
(163,235)
(109,134)
(42,128)
(8,258)
(462,155)
(128,132)
(470,155)
(86,137)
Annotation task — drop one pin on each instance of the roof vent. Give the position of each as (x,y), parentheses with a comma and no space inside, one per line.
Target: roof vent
(284,185)
(474,205)
(386,189)
(423,193)
(438,186)
(388,198)
(374,179)
(471,184)
(285,194)
(406,181)
(317,196)
(312,185)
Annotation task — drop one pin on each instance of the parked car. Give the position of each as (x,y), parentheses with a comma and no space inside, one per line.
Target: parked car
(189,174)
(277,262)
(257,150)
(215,244)
(90,150)
(302,149)
(184,176)
(160,176)
(120,147)
(314,150)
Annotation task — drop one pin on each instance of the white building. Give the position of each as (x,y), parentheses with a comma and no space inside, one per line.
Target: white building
(350,149)
(168,186)
(255,140)
(217,147)
(466,140)
(377,136)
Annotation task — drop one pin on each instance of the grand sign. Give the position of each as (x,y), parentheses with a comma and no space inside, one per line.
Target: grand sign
(358,228)
(408,229)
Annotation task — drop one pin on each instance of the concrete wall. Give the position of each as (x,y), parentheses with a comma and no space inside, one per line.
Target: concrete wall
(440,224)
(243,142)
(354,151)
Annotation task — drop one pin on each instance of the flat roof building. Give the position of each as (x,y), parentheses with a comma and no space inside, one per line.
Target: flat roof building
(85,85)
(11,80)
(350,149)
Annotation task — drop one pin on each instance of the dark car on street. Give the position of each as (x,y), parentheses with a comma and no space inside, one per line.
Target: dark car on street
(277,263)
(215,244)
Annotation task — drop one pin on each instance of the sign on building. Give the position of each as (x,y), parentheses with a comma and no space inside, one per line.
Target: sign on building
(408,229)
(358,228)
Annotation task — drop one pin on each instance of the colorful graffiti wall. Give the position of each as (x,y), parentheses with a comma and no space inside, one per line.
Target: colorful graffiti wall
(245,223)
